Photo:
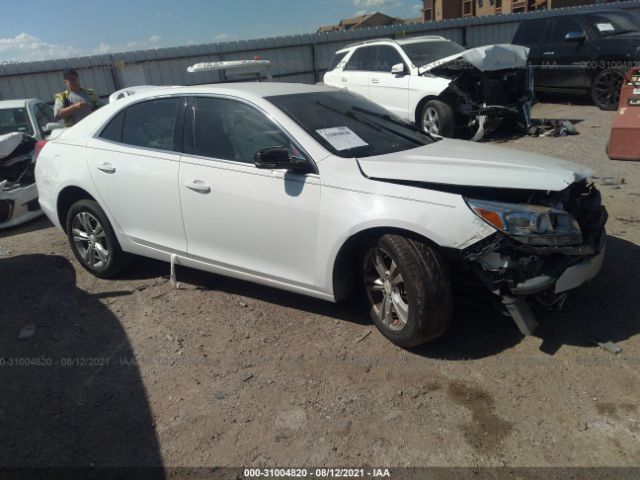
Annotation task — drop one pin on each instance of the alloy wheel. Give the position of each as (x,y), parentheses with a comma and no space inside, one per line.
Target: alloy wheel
(607,88)
(90,240)
(385,289)
(431,121)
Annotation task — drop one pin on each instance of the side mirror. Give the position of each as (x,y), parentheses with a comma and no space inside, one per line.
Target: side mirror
(577,37)
(275,158)
(398,69)
(51,126)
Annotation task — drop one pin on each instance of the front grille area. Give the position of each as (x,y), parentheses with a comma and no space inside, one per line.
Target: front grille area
(6,210)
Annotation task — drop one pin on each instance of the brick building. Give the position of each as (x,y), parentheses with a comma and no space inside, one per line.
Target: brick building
(435,10)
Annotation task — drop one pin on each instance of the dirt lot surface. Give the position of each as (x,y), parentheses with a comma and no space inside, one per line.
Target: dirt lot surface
(222,372)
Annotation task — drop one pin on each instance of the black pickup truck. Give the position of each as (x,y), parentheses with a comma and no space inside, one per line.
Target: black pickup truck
(583,52)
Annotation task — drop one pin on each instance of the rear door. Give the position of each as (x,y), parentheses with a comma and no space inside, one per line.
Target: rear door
(134,163)
(357,72)
(387,89)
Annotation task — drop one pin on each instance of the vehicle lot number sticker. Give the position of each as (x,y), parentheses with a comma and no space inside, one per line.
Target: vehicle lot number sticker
(342,138)
(606,27)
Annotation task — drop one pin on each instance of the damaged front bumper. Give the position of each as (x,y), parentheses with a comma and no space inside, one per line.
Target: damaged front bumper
(509,269)
(18,204)
(517,272)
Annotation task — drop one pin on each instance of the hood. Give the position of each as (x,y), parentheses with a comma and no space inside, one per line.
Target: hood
(458,162)
(486,59)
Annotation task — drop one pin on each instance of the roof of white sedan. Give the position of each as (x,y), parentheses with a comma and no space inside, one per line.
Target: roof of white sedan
(258,89)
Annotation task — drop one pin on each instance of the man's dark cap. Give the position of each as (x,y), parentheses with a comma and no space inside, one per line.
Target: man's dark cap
(70,72)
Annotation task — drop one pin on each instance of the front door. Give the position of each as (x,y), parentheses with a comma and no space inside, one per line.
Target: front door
(387,89)
(357,72)
(240,217)
(567,58)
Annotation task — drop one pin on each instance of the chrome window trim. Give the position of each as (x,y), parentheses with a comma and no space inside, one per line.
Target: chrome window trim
(222,96)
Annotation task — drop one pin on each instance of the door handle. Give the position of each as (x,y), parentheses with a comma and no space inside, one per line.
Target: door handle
(549,53)
(106,167)
(375,80)
(198,186)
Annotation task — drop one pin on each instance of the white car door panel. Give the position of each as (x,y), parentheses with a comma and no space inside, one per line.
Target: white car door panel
(235,214)
(391,92)
(259,221)
(140,190)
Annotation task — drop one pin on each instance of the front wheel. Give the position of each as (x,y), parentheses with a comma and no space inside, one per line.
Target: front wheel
(605,89)
(408,291)
(438,118)
(92,239)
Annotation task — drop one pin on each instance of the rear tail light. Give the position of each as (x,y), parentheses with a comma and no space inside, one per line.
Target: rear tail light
(38,148)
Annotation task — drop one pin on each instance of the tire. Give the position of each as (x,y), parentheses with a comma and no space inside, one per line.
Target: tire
(92,240)
(438,118)
(605,89)
(406,289)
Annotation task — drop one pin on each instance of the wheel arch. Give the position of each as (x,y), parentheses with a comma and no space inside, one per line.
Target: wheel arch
(66,198)
(343,273)
(422,103)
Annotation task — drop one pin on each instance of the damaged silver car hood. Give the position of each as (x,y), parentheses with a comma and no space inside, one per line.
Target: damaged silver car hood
(463,163)
(486,59)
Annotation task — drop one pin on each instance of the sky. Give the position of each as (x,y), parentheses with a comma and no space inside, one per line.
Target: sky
(42,29)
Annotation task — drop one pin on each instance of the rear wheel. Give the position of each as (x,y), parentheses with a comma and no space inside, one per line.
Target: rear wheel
(92,240)
(438,118)
(605,89)
(407,290)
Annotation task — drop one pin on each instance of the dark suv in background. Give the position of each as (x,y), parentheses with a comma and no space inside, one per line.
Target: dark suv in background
(583,52)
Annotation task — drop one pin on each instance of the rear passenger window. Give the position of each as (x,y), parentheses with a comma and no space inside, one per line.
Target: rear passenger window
(113,131)
(363,59)
(231,130)
(151,124)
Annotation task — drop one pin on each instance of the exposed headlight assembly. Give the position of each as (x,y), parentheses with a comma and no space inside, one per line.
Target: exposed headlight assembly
(529,224)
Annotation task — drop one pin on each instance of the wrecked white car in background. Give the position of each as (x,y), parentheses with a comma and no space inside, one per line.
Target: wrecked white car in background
(437,84)
(23,124)
(18,193)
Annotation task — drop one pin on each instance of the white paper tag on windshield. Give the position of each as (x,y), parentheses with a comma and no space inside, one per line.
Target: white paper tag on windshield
(606,27)
(342,138)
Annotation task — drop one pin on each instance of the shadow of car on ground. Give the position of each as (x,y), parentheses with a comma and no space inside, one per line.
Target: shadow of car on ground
(72,395)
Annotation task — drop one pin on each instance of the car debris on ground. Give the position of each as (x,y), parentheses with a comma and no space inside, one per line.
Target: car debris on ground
(551,128)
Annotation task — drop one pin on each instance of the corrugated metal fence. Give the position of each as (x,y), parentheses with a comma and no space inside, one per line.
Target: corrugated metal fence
(298,58)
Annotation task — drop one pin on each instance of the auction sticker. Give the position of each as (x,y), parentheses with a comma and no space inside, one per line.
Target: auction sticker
(342,138)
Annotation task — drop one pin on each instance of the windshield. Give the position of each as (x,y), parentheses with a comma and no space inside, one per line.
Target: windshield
(349,125)
(14,120)
(423,53)
(616,23)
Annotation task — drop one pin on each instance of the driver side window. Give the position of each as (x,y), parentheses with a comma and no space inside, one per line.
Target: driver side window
(231,130)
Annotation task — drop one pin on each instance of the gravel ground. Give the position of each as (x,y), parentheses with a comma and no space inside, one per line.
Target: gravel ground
(222,372)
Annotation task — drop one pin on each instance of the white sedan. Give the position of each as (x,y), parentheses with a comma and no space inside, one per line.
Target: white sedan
(321,192)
